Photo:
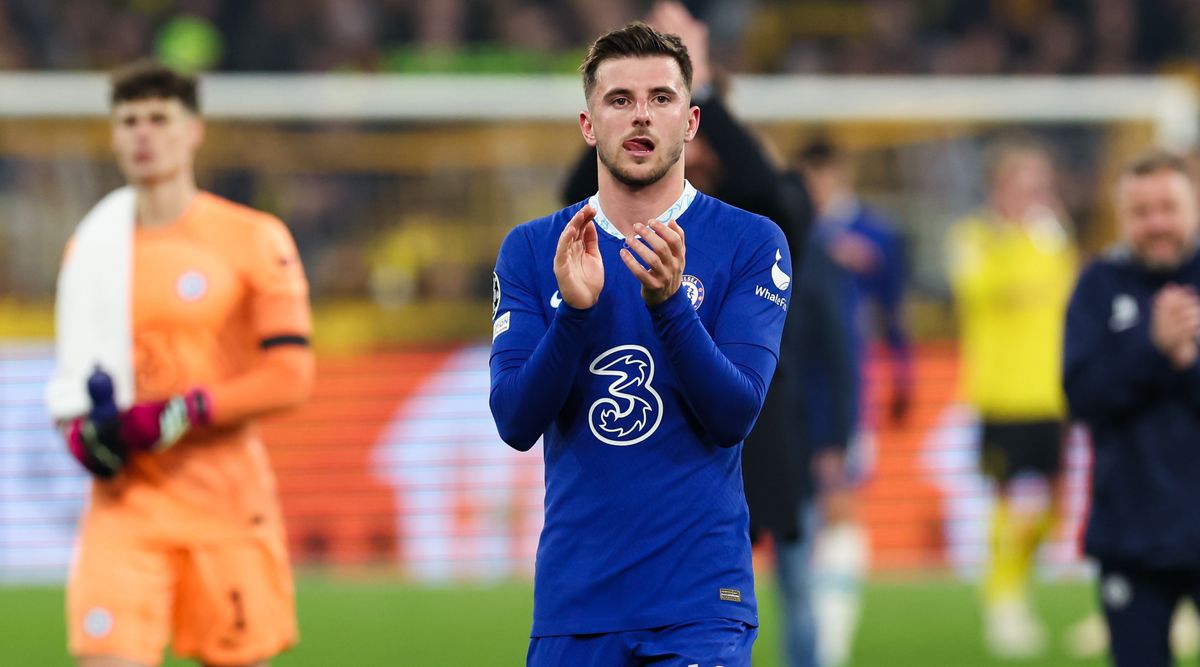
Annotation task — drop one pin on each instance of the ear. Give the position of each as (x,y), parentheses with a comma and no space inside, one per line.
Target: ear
(196,130)
(585,127)
(693,124)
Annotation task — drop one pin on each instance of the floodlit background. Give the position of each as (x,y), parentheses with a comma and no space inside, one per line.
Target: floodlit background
(400,140)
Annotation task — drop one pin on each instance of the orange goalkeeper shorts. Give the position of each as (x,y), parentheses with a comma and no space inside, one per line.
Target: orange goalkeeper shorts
(227,602)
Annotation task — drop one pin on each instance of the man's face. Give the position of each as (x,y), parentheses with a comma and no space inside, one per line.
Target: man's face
(1024,182)
(154,139)
(639,117)
(826,182)
(1157,217)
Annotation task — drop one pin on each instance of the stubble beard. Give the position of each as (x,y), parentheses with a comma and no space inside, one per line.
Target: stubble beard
(1163,264)
(624,177)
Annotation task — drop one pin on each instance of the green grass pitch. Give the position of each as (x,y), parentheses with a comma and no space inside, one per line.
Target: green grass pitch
(369,622)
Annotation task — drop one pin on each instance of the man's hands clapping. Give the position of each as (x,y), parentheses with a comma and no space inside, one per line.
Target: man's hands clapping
(1175,324)
(662,249)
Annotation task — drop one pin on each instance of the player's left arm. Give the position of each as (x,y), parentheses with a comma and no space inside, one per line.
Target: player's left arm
(283,373)
(723,377)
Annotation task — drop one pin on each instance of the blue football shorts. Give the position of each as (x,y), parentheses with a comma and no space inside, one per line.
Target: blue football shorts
(711,642)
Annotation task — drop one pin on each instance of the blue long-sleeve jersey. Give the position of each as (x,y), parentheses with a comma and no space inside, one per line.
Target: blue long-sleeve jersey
(643,412)
(882,284)
(1144,417)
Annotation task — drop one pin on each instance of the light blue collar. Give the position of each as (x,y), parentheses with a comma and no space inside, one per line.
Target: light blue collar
(672,213)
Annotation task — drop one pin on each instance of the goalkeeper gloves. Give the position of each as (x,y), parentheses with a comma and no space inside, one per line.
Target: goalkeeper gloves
(103,440)
(156,425)
(94,440)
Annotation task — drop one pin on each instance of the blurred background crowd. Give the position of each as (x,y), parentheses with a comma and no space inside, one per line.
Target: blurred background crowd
(765,36)
(381,210)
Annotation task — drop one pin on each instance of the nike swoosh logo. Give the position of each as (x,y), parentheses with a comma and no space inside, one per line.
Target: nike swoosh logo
(555,300)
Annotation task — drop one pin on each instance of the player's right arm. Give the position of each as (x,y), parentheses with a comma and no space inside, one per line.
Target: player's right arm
(968,270)
(1108,373)
(533,364)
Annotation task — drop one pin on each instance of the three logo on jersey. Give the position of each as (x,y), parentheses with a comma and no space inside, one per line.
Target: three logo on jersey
(632,409)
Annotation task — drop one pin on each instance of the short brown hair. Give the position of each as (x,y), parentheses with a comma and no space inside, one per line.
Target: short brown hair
(819,153)
(1156,160)
(635,40)
(148,79)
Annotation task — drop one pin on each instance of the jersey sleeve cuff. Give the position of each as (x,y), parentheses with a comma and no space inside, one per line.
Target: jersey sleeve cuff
(676,305)
(568,312)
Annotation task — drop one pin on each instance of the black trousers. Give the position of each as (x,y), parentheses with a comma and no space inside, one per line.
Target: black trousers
(1138,605)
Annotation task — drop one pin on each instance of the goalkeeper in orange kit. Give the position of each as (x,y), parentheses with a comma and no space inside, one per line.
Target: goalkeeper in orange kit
(181,319)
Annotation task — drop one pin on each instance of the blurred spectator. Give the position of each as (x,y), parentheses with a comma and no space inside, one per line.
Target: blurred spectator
(870,256)
(12,50)
(1131,376)
(864,243)
(1056,47)
(820,411)
(429,258)
(274,36)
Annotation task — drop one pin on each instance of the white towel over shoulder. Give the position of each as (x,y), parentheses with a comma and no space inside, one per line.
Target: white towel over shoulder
(92,312)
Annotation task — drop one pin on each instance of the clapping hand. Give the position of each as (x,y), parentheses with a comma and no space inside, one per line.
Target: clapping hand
(1175,324)
(661,247)
(578,267)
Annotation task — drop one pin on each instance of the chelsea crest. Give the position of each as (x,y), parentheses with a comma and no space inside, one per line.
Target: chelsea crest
(694,290)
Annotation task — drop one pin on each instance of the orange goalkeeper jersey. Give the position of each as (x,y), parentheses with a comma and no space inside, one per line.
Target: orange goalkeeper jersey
(207,290)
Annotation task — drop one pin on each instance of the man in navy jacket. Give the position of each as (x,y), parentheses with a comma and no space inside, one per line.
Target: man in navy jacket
(1130,373)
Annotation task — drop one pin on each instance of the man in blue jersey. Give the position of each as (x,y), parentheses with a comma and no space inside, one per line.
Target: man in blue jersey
(870,256)
(1130,373)
(865,244)
(643,373)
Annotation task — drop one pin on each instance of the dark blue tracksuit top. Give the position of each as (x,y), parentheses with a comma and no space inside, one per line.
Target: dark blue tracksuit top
(1144,417)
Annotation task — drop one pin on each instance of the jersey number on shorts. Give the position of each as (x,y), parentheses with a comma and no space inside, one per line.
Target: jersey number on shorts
(632,410)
